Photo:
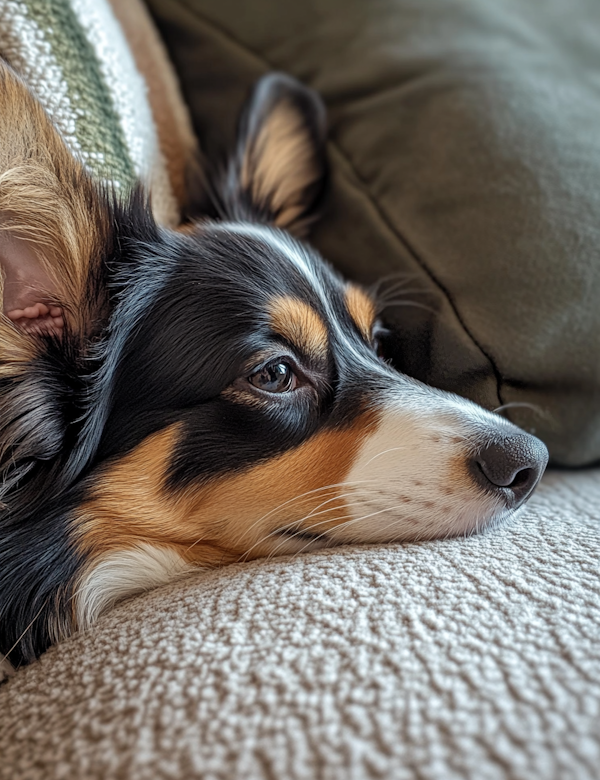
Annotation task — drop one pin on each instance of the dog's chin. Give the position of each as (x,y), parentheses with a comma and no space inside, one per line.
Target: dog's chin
(380,526)
(368,527)
(379,520)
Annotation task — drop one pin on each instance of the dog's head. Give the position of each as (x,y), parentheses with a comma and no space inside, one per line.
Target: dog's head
(218,393)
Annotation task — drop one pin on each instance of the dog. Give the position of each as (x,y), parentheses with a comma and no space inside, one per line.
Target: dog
(181,399)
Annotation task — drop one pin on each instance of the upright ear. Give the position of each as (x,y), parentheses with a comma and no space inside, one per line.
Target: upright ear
(278,170)
(55,221)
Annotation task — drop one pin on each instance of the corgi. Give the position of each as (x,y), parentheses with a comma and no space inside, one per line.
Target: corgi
(180,399)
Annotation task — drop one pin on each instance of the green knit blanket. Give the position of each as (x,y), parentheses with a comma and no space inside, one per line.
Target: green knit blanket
(74,55)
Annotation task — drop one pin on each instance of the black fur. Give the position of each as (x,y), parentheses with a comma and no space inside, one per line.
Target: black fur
(183,325)
(183,316)
(46,443)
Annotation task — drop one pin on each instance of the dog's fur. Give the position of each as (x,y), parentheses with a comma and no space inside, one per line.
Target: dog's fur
(179,399)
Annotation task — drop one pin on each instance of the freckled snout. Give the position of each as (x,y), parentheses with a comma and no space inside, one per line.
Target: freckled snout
(510,466)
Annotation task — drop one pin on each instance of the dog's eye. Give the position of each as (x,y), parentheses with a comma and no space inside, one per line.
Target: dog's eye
(275,377)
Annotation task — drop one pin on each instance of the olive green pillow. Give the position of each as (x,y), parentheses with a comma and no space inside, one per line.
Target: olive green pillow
(465,161)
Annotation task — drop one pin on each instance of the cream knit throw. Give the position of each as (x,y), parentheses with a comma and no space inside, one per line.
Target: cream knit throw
(75,56)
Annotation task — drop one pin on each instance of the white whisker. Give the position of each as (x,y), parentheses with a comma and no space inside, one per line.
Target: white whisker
(300,496)
(413,304)
(523,405)
(351,521)
(39,612)
(294,524)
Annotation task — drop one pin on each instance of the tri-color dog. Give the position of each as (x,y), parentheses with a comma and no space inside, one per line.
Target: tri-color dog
(179,399)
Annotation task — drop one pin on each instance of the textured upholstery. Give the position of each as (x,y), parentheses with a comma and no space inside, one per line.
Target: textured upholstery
(474,659)
(465,659)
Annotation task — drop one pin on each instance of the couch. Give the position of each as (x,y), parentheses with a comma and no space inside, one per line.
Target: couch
(461,153)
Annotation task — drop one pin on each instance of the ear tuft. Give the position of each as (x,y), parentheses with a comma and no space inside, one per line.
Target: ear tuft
(279,168)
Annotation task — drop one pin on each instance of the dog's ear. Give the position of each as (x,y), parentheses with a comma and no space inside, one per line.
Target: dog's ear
(56,226)
(55,221)
(278,169)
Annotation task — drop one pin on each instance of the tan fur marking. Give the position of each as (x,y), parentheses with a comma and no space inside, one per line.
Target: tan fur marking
(47,198)
(228,518)
(300,324)
(361,308)
(280,165)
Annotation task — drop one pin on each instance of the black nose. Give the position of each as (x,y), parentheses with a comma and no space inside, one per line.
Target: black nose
(512,465)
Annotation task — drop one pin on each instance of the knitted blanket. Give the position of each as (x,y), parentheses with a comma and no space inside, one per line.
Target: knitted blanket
(76,56)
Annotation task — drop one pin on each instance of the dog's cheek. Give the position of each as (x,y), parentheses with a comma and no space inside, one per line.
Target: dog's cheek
(136,533)
(259,511)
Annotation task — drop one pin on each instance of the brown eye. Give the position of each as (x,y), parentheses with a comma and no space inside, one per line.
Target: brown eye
(275,377)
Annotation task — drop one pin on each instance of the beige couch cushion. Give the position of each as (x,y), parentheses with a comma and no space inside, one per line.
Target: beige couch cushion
(469,658)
